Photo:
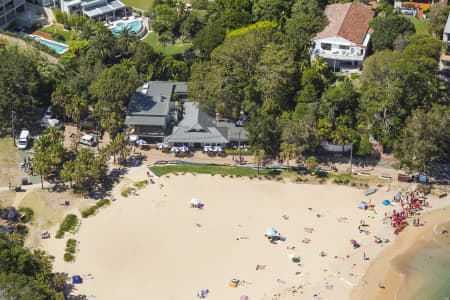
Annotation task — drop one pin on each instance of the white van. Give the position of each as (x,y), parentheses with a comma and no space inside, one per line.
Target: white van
(24,139)
(89,140)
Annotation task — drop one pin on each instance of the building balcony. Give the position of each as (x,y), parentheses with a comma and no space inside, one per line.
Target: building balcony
(341,54)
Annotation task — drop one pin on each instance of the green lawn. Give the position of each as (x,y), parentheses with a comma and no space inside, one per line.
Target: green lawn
(420,24)
(209,169)
(67,34)
(141,4)
(9,172)
(152,39)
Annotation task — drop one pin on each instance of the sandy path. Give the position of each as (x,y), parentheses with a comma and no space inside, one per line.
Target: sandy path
(149,247)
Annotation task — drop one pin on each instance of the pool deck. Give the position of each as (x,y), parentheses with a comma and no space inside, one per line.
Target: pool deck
(43,34)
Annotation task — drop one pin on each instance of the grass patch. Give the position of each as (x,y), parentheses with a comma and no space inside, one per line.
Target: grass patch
(93,209)
(57,28)
(8,162)
(141,4)
(177,48)
(7,198)
(46,213)
(208,169)
(141,184)
(69,224)
(421,25)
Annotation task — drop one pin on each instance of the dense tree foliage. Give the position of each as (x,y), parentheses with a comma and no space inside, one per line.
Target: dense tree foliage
(387,29)
(438,17)
(26,83)
(25,274)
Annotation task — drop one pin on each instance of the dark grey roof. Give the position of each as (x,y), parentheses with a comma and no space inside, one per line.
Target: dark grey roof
(232,132)
(196,127)
(146,120)
(153,98)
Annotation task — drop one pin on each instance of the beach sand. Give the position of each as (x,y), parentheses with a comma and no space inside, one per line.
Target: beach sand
(155,246)
(385,268)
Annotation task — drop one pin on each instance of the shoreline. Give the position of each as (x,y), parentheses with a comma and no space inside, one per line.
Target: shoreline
(384,268)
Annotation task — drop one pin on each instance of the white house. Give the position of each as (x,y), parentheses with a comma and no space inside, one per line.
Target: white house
(343,42)
(445,57)
(97,9)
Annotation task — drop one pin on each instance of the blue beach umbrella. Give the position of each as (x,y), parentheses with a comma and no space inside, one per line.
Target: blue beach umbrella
(162,145)
(271,232)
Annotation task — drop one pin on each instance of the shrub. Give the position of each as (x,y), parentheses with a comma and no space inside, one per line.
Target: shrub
(143,183)
(126,192)
(69,224)
(69,257)
(93,209)
(71,246)
(27,214)
(58,37)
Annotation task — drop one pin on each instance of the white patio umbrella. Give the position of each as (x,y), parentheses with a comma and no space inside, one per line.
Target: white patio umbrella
(174,149)
(195,201)
(183,148)
(162,145)
(141,142)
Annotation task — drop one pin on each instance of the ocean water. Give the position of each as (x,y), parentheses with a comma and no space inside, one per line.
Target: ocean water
(427,268)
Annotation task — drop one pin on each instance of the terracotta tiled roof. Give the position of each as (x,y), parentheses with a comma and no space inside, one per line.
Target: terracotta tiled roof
(349,21)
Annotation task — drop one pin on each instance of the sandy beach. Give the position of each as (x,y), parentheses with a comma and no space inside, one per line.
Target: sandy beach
(155,246)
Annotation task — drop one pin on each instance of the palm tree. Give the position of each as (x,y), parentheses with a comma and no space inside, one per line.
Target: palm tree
(102,43)
(86,32)
(125,40)
(59,281)
(288,151)
(311,163)
(76,108)
(259,157)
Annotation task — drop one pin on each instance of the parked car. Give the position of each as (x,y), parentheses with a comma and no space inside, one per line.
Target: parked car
(24,139)
(89,140)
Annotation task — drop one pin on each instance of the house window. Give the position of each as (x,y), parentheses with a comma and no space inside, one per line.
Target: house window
(361,52)
(325,46)
(343,47)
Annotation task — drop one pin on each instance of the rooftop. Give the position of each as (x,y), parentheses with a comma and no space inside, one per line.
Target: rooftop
(348,20)
(196,127)
(447,25)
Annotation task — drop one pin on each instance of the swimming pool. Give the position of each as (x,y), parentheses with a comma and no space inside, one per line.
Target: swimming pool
(134,26)
(57,47)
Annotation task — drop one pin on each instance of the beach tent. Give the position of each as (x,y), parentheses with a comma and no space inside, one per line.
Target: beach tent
(386,202)
(271,232)
(162,145)
(76,279)
(363,205)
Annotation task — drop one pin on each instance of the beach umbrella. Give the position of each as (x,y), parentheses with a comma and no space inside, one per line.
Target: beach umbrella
(207,148)
(219,149)
(195,201)
(183,148)
(141,142)
(292,255)
(174,149)
(244,297)
(133,138)
(271,232)
(162,145)
(386,202)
